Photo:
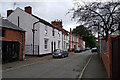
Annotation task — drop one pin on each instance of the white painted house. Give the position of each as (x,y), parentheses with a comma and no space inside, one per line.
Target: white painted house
(47,37)
(65,34)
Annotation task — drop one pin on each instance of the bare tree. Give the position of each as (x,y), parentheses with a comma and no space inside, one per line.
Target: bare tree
(98,16)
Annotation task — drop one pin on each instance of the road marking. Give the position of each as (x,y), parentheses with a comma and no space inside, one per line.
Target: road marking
(85,67)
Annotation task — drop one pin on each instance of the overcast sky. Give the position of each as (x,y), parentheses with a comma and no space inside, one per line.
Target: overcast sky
(48,10)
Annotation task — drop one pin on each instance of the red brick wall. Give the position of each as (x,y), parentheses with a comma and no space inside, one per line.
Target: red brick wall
(13,35)
(107,57)
(106,61)
(80,43)
(58,24)
(9,12)
(28,9)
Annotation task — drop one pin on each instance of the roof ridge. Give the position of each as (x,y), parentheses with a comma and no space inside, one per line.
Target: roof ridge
(7,24)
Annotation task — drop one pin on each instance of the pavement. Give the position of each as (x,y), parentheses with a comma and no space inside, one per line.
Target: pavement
(29,60)
(95,68)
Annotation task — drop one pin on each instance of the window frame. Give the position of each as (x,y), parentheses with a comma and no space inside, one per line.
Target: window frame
(53,32)
(46,30)
(59,33)
(45,44)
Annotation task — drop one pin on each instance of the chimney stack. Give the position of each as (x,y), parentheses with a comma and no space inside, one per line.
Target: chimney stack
(28,9)
(57,23)
(9,12)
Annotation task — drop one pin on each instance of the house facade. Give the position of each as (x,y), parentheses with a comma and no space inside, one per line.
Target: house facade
(46,36)
(75,41)
(65,34)
(13,41)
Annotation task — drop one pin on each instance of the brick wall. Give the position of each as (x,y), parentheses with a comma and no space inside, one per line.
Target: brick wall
(107,57)
(13,35)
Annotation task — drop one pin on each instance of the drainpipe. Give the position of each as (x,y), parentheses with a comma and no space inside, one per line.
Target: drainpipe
(33,30)
(22,45)
(21,35)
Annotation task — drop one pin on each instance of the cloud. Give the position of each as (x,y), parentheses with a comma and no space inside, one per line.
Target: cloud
(47,10)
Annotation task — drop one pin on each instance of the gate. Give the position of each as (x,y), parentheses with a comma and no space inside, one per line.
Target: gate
(10,51)
(116,57)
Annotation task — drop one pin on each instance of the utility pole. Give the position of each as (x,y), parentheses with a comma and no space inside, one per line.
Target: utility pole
(33,30)
(99,38)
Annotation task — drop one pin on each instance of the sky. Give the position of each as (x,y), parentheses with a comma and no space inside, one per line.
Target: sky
(48,10)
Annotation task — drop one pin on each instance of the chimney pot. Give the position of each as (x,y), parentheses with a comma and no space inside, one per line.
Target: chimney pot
(28,9)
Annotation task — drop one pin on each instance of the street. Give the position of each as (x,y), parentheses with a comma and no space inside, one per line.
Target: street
(68,67)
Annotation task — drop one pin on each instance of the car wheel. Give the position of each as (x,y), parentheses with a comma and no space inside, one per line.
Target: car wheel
(67,55)
(63,56)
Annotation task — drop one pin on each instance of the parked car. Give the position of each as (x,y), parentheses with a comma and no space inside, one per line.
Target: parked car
(59,53)
(87,48)
(77,50)
(83,49)
(94,49)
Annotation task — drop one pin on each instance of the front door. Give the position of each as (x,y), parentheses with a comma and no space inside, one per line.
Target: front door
(54,45)
(51,47)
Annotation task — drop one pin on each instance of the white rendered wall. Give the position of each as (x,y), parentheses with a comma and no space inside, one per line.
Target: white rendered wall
(26,22)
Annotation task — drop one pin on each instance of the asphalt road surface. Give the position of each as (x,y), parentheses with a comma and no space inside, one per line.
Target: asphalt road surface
(69,67)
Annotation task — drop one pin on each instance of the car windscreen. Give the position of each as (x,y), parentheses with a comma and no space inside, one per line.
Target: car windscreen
(57,50)
(77,48)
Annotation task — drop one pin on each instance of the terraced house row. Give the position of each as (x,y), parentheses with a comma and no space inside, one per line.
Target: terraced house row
(41,37)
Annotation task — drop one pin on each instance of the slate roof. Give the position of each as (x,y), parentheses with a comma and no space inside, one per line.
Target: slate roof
(7,24)
(45,22)
(41,20)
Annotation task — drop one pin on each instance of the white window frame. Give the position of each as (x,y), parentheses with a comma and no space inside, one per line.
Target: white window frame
(59,34)
(46,30)
(45,44)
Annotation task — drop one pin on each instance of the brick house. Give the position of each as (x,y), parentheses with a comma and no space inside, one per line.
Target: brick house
(75,41)
(13,41)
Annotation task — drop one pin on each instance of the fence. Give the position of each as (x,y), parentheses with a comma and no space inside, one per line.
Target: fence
(29,49)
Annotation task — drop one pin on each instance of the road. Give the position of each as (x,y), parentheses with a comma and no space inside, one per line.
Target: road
(69,67)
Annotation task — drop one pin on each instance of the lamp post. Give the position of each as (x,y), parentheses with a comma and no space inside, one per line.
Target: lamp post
(33,30)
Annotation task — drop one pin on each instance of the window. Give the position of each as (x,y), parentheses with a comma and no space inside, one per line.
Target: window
(53,32)
(64,37)
(58,44)
(59,34)
(45,43)
(46,30)
(2,33)
(64,45)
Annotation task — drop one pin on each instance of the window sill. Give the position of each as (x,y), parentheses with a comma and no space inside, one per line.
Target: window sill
(45,49)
